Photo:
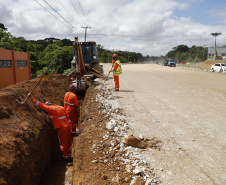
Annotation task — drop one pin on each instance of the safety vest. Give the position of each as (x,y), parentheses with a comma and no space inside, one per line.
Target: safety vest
(70,102)
(118,70)
(57,113)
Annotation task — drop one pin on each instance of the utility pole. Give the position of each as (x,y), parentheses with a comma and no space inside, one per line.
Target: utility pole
(215,35)
(204,52)
(86,30)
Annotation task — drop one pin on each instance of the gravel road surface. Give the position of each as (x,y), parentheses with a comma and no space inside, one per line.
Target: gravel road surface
(185,110)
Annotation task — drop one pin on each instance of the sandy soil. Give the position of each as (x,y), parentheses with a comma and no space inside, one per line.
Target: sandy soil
(185,110)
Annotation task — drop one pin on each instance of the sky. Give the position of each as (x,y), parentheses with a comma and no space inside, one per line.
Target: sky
(149,27)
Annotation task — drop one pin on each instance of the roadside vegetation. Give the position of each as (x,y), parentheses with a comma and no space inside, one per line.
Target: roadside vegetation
(184,53)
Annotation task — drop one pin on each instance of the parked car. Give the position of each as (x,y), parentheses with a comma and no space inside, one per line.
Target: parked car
(219,67)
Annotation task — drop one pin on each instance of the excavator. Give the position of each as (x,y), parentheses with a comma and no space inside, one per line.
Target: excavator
(85,66)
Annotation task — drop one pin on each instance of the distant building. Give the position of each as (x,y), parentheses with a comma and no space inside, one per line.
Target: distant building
(14,67)
(221,51)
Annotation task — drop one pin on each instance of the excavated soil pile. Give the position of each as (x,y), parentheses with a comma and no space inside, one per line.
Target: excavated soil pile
(27,139)
(94,157)
(101,155)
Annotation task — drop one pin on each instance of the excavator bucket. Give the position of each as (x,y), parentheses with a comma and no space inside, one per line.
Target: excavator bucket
(80,85)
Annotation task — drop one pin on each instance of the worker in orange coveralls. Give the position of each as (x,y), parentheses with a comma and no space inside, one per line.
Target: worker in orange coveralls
(70,105)
(61,123)
(117,70)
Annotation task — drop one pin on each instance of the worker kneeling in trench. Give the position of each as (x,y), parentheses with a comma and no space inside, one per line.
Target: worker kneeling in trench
(61,123)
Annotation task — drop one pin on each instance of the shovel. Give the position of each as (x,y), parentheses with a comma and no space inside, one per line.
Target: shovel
(108,75)
(22,102)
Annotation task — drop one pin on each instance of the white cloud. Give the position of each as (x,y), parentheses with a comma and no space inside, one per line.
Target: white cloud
(157,29)
(219,14)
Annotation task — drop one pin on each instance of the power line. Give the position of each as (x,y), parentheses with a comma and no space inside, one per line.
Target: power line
(68,12)
(86,19)
(52,14)
(77,11)
(131,35)
(59,14)
(71,14)
(83,12)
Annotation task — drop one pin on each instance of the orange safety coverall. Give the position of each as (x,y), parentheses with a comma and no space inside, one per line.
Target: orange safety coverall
(116,77)
(61,123)
(70,105)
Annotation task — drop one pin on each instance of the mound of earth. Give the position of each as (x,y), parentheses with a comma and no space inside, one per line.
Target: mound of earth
(28,141)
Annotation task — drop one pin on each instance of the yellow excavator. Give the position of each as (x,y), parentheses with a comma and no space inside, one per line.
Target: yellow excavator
(85,66)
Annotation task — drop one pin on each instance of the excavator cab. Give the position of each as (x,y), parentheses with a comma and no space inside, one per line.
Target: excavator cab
(89,56)
(89,53)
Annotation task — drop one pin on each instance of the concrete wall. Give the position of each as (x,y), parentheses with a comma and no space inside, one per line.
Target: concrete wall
(221,51)
(15,73)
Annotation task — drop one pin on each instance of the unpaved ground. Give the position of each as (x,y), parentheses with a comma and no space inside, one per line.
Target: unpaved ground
(100,154)
(171,108)
(30,149)
(185,110)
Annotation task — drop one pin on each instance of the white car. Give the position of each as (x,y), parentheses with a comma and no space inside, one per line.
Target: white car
(219,67)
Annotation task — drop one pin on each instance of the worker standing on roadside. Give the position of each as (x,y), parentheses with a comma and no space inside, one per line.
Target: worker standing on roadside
(61,123)
(70,105)
(117,70)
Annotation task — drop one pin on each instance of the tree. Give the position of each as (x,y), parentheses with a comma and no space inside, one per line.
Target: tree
(183,56)
(59,57)
(171,54)
(6,43)
(2,27)
(42,42)
(181,48)
(30,47)
(51,40)
(139,56)
(66,42)
(122,59)
(20,44)
(39,47)
(3,34)
(215,35)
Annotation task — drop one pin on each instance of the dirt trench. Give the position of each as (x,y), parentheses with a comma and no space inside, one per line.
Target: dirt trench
(29,144)
(30,152)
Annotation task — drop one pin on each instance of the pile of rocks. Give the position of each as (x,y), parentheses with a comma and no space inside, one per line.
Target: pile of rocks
(123,145)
